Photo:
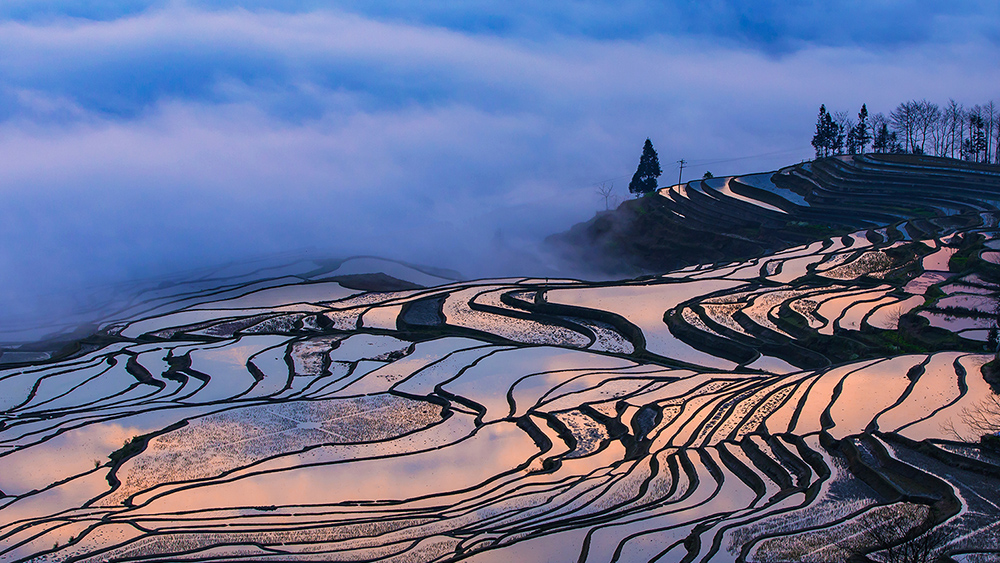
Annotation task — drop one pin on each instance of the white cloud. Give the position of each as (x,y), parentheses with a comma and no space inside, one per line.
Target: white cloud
(137,145)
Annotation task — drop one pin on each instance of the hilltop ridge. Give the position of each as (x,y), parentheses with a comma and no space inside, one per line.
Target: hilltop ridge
(739,217)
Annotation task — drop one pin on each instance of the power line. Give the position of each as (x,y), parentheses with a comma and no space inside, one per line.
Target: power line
(772,153)
(689,163)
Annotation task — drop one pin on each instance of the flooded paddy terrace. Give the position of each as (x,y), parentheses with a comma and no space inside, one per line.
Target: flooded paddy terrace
(776,409)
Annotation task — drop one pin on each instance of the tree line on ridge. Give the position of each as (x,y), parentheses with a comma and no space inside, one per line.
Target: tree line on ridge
(914,127)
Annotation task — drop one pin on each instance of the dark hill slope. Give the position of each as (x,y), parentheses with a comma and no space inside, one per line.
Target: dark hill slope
(735,218)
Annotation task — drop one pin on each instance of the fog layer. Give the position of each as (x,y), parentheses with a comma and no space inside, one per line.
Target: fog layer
(146,138)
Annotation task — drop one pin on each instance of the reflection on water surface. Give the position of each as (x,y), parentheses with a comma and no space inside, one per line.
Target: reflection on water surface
(745,410)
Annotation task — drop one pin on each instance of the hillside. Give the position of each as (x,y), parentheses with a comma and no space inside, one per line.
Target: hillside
(739,217)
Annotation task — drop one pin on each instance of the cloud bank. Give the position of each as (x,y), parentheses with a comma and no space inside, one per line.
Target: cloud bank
(143,138)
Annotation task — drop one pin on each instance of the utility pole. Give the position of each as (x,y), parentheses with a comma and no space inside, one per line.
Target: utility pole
(682,162)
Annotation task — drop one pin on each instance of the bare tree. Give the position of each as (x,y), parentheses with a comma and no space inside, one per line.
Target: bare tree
(955,116)
(990,117)
(894,543)
(982,419)
(904,123)
(605,190)
(878,120)
(927,116)
(939,133)
(893,316)
(918,127)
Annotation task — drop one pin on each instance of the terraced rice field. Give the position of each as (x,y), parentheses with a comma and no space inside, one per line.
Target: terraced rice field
(775,409)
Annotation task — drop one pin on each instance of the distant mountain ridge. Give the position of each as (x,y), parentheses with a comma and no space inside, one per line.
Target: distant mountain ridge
(738,217)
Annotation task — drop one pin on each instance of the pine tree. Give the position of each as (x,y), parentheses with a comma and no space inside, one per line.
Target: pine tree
(979,140)
(852,141)
(886,141)
(820,140)
(861,131)
(834,135)
(644,179)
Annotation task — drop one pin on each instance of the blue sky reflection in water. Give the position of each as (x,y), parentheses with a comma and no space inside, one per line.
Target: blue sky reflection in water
(142,138)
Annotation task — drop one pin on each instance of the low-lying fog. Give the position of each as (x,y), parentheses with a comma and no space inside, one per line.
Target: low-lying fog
(154,140)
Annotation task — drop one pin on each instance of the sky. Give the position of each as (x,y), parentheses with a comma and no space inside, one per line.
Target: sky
(142,138)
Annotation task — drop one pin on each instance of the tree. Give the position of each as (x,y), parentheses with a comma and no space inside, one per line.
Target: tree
(977,133)
(707,175)
(955,116)
(916,127)
(996,147)
(644,179)
(821,140)
(990,115)
(884,140)
(862,132)
(853,145)
(926,117)
(939,134)
(895,543)
(605,191)
(975,144)
(904,123)
(840,125)
(981,419)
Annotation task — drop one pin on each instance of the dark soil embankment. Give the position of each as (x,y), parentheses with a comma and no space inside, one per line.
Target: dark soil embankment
(644,235)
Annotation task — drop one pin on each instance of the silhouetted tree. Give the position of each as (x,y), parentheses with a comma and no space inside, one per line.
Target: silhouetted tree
(904,123)
(915,126)
(977,135)
(993,336)
(644,179)
(927,116)
(954,116)
(707,175)
(895,543)
(996,136)
(853,145)
(860,134)
(990,117)
(883,140)
(982,419)
(841,125)
(605,191)
(826,133)
(880,143)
